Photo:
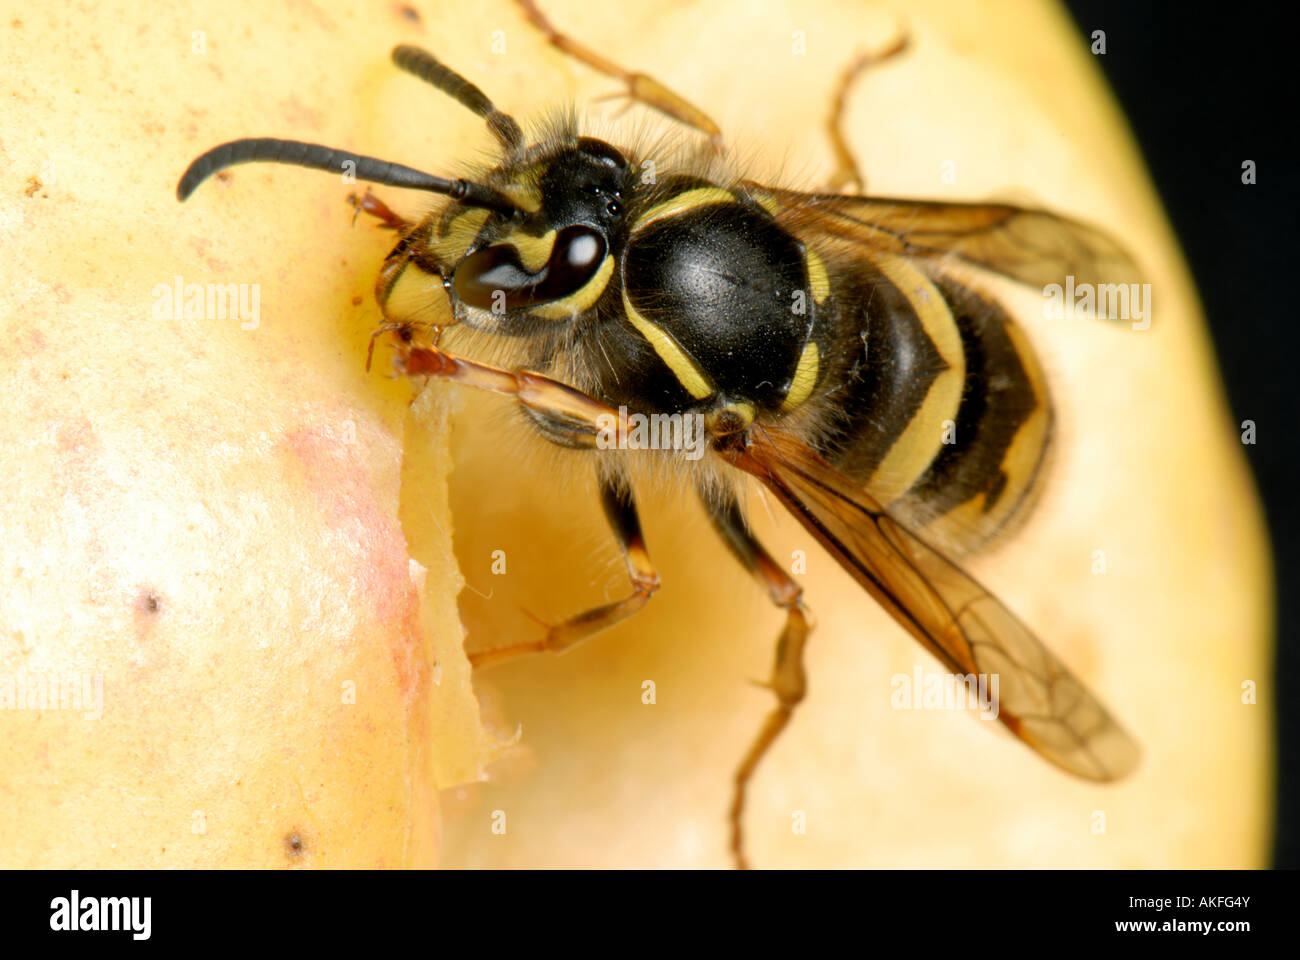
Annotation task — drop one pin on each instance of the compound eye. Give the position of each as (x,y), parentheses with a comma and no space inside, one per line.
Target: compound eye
(495,277)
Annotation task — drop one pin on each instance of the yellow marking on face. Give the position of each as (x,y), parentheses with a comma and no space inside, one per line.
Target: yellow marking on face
(458,234)
(584,299)
(805,377)
(817,276)
(534,252)
(670,352)
(915,449)
(412,294)
(687,200)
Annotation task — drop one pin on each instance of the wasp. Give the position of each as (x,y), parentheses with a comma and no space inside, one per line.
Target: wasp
(831,346)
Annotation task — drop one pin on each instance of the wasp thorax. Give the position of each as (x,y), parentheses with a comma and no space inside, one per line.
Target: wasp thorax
(721,279)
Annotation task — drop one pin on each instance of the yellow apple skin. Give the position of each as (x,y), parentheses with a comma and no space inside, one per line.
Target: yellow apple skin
(201,515)
(231,526)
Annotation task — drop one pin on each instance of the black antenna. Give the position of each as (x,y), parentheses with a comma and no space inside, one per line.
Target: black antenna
(316,157)
(421,63)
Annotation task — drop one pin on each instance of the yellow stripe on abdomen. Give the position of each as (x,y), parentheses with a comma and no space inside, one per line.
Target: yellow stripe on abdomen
(920,442)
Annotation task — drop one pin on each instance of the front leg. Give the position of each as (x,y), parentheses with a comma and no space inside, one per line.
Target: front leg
(580,421)
(369,203)
(556,402)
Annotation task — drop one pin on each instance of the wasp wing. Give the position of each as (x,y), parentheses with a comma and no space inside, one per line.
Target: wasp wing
(954,617)
(1032,246)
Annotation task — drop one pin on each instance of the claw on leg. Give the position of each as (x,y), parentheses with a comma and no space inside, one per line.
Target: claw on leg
(789,684)
(371,204)
(403,331)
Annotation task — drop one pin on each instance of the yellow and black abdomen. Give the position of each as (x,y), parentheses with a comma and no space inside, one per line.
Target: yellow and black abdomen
(943,412)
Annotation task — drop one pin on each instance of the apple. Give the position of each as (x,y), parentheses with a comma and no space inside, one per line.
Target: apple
(231,559)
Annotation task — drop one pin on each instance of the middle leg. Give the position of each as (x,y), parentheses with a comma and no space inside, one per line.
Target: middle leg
(788,682)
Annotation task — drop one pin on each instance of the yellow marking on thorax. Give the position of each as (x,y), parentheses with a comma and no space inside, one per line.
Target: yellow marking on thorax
(805,377)
(523,195)
(730,418)
(687,200)
(817,276)
(765,200)
(915,449)
(686,371)
(584,299)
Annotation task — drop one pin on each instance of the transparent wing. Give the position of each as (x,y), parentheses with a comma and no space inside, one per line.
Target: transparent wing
(955,618)
(1032,246)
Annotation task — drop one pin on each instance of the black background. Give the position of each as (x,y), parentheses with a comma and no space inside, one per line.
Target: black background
(1203,94)
(350,912)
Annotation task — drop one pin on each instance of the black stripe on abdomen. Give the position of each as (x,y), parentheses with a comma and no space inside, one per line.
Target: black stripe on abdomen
(890,366)
(1003,395)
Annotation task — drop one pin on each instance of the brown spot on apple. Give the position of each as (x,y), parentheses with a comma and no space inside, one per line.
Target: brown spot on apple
(295,847)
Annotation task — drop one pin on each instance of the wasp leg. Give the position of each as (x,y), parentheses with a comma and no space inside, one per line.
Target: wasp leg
(846,168)
(620,510)
(580,420)
(557,402)
(640,87)
(405,333)
(788,681)
(369,203)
